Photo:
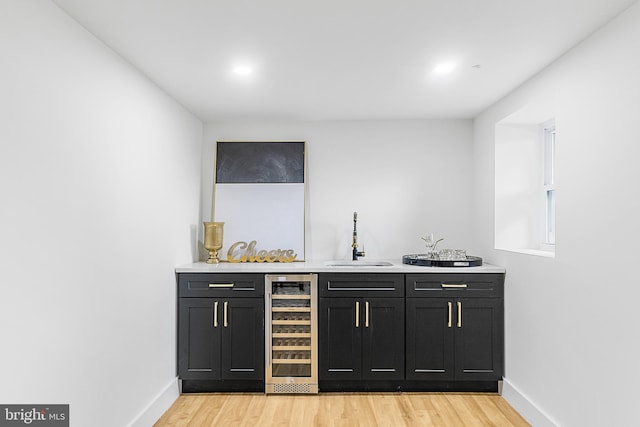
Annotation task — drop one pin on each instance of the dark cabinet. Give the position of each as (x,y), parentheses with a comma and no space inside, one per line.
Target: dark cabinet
(429,339)
(479,349)
(376,331)
(455,327)
(220,329)
(361,338)
(340,341)
(221,339)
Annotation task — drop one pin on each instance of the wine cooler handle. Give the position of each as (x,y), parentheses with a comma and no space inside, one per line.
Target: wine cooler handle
(215,314)
(226,320)
(357,314)
(366,314)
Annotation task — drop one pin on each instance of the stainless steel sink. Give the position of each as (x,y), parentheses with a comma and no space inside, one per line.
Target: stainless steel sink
(346,263)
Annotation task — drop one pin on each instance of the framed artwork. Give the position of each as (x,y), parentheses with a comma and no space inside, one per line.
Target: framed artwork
(259,194)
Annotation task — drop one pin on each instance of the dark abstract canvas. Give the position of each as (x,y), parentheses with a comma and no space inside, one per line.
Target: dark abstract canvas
(260,162)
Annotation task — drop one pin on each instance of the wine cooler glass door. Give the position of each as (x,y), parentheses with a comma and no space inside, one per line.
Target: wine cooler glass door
(291,331)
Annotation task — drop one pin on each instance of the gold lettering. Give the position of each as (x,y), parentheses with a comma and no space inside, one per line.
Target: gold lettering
(273,255)
(251,252)
(290,256)
(243,252)
(240,245)
(261,256)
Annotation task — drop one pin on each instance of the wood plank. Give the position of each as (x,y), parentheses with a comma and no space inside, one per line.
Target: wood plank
(342,410)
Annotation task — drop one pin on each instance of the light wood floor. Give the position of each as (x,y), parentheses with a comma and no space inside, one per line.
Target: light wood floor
(342,409)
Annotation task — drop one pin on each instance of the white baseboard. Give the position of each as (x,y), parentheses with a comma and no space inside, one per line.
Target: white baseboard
(525,407)
(158,406)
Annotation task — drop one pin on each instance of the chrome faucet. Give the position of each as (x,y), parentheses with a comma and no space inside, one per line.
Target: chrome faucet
(354,244)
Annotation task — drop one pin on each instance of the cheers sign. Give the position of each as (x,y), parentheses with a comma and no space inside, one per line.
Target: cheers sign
(243,252)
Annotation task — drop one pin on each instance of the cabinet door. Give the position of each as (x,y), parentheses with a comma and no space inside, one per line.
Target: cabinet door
(242,322)
(430,323)
(382,323)
(199,339)
(479,339)
(340,339)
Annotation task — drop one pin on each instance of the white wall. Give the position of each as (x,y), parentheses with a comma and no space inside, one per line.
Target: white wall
(572,345)
(100,184)
(403,177)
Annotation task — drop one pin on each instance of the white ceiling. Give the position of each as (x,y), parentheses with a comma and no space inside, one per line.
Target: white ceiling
(340,59)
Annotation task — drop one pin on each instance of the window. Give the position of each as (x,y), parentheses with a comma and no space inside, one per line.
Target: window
(525,192)
(549,188)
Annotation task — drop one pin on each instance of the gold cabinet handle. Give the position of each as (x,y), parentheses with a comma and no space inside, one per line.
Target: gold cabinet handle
(459,314)
(366,314)
(449,305)
(357,314)
(226,320)
(215,314)
(221,285)
(454,285)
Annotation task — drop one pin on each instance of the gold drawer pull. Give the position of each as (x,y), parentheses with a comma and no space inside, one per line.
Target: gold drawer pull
(366,315)
(221,285)
(454,285)
(215,314)
(226,320)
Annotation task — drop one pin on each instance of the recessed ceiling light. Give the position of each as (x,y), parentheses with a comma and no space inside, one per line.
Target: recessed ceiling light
(243,70)
(444,68)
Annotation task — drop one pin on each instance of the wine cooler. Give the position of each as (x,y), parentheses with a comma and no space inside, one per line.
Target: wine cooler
(291,333)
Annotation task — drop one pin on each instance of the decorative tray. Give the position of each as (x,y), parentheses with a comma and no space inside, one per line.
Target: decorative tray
(425,261)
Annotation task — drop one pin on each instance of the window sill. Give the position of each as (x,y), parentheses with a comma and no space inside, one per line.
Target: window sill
(535,252)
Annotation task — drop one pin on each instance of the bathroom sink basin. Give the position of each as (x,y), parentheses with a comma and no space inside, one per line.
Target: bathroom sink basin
(346,263)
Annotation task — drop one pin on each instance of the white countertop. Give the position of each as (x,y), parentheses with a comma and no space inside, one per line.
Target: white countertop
(321,266)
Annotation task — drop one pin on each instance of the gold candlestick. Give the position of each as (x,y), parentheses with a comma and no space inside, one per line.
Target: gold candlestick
(213,240)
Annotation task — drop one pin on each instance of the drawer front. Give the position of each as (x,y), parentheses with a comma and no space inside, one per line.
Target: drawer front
(220,285)
(361,285)
(455,285)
